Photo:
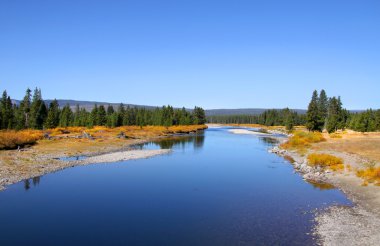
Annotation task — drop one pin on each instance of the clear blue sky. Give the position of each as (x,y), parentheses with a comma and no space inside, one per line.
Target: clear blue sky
(215,54)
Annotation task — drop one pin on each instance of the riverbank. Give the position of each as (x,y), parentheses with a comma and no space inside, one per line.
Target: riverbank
(357,225)
(338,225)
(100,145)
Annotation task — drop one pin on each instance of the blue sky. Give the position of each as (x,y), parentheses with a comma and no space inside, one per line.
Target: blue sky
(215,54)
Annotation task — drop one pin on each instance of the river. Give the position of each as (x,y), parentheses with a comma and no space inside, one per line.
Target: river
(215,188)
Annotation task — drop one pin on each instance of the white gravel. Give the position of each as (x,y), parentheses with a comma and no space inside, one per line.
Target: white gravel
(124,156)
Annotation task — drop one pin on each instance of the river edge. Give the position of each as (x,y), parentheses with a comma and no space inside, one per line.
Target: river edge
(51,163)
(340,225)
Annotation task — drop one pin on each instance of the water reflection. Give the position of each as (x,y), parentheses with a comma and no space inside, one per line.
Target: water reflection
(179,142)
(269,140)
(35,181)
(322,186)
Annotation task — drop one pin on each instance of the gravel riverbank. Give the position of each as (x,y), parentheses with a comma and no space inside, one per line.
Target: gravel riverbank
(341,225)
(50,165)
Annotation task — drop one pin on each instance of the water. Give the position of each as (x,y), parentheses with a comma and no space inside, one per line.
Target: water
(216,188)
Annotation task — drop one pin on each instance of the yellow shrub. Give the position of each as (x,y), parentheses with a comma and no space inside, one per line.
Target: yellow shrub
(302,139)
(13,139)
(370,175)
(326,161)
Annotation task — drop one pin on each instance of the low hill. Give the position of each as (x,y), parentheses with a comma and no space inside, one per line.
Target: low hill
(89,105)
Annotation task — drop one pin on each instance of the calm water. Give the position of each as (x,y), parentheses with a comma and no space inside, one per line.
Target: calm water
(216,188)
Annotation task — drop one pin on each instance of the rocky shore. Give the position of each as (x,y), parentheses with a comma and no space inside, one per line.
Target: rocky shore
(300,164)
(341,225)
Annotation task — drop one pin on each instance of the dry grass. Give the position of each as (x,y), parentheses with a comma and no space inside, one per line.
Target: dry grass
(326,161)
(13,139)
(364,145)
(335,135)
(303,139)
(69,142)
(130,131)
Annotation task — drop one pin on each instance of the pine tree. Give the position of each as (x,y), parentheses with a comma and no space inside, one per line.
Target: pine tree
(23,111)
(66,116)
(93,117)
(77,116)
(37,110)
(334,117)
(313,117)
(199,116)
(323,105)
(7,114)
(288,119)
(102,116)
(52,119)
(110,110)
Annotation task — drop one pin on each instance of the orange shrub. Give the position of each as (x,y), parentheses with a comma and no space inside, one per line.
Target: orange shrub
(302,139)
(13,139)
(326,161)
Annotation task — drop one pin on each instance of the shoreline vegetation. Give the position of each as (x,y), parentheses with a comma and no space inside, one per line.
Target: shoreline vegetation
(100,144)
(338,160)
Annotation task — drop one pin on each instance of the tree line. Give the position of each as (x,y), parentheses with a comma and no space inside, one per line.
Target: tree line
(323,113)
(328,113)
(32,112)
(272,117)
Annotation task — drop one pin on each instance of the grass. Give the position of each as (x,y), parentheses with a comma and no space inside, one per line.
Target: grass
(326,161)
(303,139)
(364,145)
(13,139)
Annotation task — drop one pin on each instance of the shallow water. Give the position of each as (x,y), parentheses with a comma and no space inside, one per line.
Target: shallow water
(216,188)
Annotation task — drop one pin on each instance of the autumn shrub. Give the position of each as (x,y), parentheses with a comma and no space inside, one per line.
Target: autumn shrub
(13,139)
(370,175)
(326,161)
(302,139)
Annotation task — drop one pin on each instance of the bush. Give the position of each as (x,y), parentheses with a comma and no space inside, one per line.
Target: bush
(370,175)
(326,161)
(303,139)
(13,139)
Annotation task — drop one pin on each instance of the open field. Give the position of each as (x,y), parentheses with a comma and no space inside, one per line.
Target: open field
(41,158)
(365,145)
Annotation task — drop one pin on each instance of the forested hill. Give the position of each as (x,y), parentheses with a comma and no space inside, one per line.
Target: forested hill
(88,105)
(244,111)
